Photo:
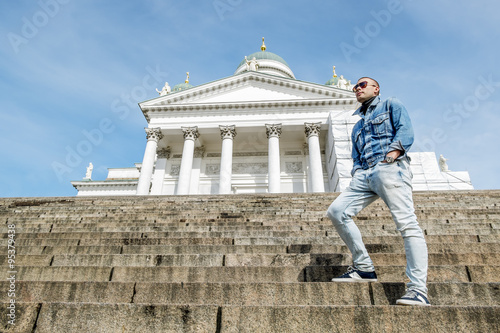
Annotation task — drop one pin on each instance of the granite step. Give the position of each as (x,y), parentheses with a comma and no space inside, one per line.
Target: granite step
(359,319)
(246,274)
(398,248)
(388,238)
(250,294)
(231,205)
(169,234)
(227,249)
(178,206)
(104,317)
(459,213)
(248,226)
(393,239)
(238,212)
(119,241)
(230,260)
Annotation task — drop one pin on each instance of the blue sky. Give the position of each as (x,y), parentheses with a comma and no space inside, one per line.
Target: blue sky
(72,73)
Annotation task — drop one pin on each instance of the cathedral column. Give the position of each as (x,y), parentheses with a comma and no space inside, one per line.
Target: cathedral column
(159,174)
(199,152)
(227,134)
(315,165)
(190,136)
(308,168)
(153,135)
(273,132)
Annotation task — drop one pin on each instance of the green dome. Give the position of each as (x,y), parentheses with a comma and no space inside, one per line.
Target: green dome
(182,86)
(265,55)
(333,81)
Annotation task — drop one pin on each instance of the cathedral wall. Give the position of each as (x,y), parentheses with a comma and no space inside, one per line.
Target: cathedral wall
(427,175)
(338,149)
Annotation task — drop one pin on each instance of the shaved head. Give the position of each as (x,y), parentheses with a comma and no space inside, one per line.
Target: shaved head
(366,88)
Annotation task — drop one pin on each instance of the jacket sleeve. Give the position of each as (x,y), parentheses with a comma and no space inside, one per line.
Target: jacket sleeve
(403,138)
(355,154)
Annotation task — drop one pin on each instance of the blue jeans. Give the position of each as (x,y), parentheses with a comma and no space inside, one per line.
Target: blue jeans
(392,183)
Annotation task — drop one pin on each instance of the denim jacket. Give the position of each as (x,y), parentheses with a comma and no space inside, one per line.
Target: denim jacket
(385,126)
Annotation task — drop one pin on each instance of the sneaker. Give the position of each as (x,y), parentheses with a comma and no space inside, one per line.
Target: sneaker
(413,297)
(355,275)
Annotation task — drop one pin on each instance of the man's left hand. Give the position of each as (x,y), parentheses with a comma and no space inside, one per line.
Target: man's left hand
(394,154)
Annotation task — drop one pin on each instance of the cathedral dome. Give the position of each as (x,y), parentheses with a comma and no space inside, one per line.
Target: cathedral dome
(265,62)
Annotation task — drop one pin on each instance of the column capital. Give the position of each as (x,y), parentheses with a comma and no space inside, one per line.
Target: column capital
(227,132)
(190,133)
(164,152)
(153,134)
(273,130)
(199,152)
(312,129)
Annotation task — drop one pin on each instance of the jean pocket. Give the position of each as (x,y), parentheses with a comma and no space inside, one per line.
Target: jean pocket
(405,168)
(381,124)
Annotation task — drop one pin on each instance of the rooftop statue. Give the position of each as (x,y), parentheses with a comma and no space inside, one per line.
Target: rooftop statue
(165,90)
(342,84)
(339,82)
(88,174)
(252,65)
(349,85)
(442,164)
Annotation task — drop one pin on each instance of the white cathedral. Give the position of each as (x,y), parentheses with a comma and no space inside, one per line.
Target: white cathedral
(258,131)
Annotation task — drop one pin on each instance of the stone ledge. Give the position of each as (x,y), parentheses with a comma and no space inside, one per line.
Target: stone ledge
(360,319)
(247,294)
(65,317)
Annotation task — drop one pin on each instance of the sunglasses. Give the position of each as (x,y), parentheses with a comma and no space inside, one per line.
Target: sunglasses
(361,85)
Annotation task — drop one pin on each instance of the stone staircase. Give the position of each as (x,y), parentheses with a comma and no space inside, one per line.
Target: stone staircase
(241,263)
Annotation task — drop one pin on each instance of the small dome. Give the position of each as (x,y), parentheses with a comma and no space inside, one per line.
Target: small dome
(333,81)
(182,86)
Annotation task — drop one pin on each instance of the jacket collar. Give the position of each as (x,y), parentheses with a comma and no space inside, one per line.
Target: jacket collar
(372,105)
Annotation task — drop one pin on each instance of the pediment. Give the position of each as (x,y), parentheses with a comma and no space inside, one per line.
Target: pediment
(251,93)
(247,88)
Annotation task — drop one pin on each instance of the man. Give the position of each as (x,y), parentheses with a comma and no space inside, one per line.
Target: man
(380,143)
